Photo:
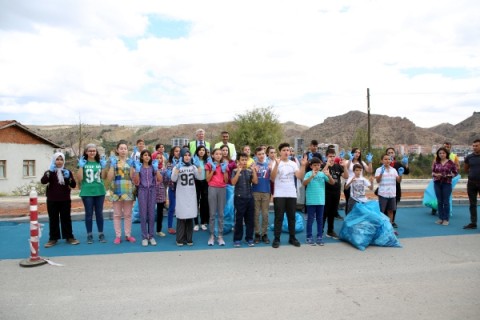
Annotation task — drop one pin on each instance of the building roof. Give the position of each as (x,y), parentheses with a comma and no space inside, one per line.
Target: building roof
(4,124)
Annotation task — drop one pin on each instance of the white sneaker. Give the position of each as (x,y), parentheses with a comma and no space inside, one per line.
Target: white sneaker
(153,242)
(160,234)
(211,240)
(221,242)
(204,227)
(196,228)
(145,242)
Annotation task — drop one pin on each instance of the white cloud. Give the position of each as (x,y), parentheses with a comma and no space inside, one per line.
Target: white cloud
(308,59)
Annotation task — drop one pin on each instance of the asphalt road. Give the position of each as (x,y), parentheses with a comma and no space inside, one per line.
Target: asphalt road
(429,278)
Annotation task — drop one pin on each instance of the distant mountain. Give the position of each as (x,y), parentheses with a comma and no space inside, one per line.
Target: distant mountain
(464,132)
(385,131)
(388,131)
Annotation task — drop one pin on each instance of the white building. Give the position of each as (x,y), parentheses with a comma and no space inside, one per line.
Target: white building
(24,156)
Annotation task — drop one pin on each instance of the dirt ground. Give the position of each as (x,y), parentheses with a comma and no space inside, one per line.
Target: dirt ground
(19,207)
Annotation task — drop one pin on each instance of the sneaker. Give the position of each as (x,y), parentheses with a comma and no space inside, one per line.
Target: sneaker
(171,231)
(445,223)
(196,228)
(250,243)
(265,239)
(276,243)
(50,243)
(310,241)
(332,234)
(237,244)
(160,234)
(211,240)
(153,242)
(117,240)
(145,242)
(90,239)
(189,244)
(179,244)
(470,226)
(73,241)
(394,225)
(440,221)
(320,242)
(294,242)
(257,238)
(101,238)
(338,217)
(221,242)
(204,227)
(130,239)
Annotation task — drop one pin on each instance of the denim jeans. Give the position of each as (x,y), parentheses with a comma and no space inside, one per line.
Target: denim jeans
(473,189)
(91,204)
(244,212)
(315,212)
(443,191)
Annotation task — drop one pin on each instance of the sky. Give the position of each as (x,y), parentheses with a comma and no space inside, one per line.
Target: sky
(173,62)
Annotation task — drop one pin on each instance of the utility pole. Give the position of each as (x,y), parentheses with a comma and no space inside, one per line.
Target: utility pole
(368,118)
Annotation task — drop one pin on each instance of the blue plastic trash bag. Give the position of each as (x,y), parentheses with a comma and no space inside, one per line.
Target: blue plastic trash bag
(135,212)
(365,225)
(299,223)
(430,199)
(228,212)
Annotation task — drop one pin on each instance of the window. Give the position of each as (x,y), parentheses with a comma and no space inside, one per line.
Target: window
(28,168)
(3,169)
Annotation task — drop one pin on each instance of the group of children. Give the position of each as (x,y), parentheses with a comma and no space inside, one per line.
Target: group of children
(195,185)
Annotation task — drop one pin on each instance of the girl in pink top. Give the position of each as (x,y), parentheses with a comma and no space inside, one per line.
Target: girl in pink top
(217,178)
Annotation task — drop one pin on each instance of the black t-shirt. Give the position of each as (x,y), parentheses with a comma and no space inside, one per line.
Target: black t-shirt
(336,172)
(473,161)
(310,155)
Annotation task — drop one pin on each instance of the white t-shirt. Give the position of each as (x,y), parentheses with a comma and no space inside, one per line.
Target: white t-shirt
(387,187)
(357,189)
(285,179)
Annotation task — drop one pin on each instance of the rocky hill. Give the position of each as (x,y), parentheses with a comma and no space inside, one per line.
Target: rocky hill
(463,132)
(384,130)
(340,129)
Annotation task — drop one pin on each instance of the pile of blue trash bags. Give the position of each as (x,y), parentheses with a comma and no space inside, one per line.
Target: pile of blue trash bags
(365,225)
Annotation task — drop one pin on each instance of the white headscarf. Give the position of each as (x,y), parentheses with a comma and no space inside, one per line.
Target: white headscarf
(57,169)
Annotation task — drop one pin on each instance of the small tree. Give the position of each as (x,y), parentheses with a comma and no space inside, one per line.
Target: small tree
(360,139)
(256,127)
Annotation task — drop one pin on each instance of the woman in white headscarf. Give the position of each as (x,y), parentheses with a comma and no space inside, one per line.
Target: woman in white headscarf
(59,183)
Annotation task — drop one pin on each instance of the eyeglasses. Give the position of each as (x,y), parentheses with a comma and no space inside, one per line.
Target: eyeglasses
(91,150)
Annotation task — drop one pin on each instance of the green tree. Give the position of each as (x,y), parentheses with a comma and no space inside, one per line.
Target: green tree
(360,139)
(256,127)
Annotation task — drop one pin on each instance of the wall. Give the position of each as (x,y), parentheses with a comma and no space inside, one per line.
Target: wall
(15,154)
